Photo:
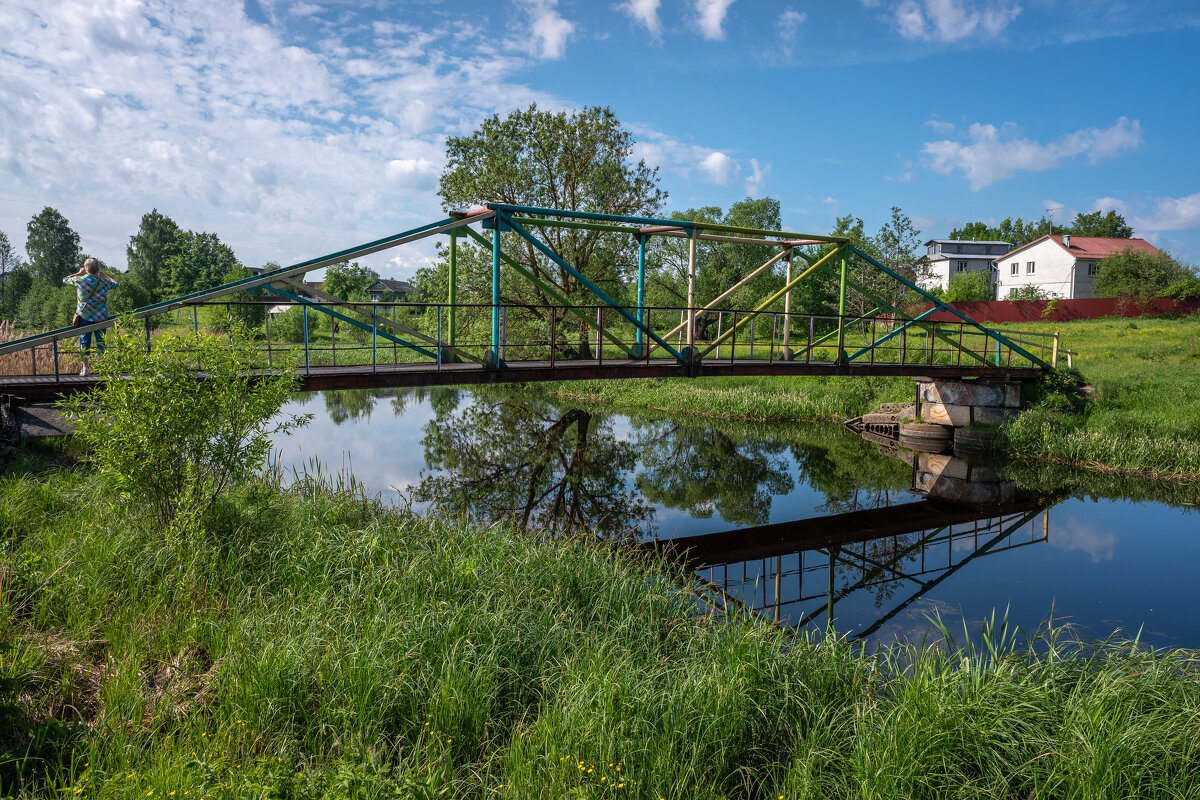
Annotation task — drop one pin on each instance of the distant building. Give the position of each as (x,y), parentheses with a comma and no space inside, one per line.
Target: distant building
(386,290)
(948,257)
(1060,265)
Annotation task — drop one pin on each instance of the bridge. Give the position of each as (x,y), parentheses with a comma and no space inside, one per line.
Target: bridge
(547,320)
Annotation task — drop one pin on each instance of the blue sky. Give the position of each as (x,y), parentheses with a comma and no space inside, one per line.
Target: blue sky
(295,129)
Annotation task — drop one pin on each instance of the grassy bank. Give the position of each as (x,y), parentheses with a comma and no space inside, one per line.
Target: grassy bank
(313,645)
(1143,417)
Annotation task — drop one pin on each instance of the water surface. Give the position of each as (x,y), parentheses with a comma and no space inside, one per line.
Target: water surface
(817,524)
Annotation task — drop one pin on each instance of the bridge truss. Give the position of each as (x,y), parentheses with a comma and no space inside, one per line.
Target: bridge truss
(428,343)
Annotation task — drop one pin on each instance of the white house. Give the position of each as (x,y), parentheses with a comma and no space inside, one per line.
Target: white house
(1061,266)
(949,257)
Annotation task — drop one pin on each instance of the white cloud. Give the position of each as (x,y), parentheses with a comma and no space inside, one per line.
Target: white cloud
(789,24)
(711,17)
(693,161)
(994,154)
(720,168)
(941,126)
(953,20)
(646,13)
(759,173)
(550,29)
(286,147)
(1171,214)
(869,3)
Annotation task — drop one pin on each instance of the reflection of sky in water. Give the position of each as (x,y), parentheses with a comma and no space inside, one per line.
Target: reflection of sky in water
(1105,563)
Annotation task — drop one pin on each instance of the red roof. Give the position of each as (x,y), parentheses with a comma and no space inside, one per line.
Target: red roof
(1090,247)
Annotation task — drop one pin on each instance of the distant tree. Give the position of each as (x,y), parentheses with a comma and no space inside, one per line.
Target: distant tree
(1139,274)
(578,160)
(150,251)
(200,262)
(234,313)
(1098,223)
(129,294)
(343,280)
(10,261)
(45,306)
(16,285)
(52,245)
(968,287)
(1016,232)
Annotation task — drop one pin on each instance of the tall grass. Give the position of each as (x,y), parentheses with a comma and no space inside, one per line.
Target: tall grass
(40,360)
(312,644)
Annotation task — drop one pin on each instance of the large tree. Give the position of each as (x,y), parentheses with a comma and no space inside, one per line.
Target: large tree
(52,245)
(1018,232)
(580,161)
(150,251)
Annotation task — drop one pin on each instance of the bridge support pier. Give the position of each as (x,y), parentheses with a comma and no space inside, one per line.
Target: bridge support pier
(960,404)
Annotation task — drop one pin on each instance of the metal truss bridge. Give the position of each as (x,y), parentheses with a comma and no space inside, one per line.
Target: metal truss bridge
(577,329)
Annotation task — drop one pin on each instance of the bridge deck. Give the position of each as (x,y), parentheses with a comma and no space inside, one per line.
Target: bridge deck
(45,387)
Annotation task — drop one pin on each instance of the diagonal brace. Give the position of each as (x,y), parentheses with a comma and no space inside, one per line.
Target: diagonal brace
(587,284)
(354,322)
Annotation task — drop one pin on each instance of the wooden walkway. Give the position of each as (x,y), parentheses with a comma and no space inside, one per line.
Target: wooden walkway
(46,387)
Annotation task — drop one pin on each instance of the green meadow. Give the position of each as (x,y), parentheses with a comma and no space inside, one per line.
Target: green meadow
(311,644)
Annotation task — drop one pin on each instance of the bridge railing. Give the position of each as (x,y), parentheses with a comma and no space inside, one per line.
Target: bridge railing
(382,335)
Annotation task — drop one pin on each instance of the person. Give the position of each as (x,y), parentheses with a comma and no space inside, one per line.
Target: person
(91,303)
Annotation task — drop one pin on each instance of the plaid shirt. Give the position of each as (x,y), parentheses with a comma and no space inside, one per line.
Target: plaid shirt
(91,293)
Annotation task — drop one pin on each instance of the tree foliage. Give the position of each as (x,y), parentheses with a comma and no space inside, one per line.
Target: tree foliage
(968,287)
(169,443)
(345,280)
(1018,232)
(200,261)
(151,250)
(1097,223)
(579,160)
(52,245)
(1139,273)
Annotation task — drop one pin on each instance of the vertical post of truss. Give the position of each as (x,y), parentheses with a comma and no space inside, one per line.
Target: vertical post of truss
(496,292)
(452,289)
(691,295)
(845,265)
(641,291)
(787,311)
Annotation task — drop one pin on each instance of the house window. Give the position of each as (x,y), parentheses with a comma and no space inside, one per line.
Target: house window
(1028,267)
(960,266)
(1093,269)
(1016,267)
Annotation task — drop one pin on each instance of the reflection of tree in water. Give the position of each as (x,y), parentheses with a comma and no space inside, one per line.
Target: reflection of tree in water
(703,470)
(345,405)
(872,562)
(851,474)
(542,467)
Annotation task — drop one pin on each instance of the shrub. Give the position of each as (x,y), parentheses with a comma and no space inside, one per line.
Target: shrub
(169,441)
(289,325)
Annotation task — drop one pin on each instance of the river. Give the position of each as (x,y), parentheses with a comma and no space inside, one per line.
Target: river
(803,526)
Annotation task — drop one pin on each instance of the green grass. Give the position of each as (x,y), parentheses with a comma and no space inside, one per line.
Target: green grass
(314,645)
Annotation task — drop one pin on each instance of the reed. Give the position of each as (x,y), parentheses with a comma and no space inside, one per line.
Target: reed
(24,363)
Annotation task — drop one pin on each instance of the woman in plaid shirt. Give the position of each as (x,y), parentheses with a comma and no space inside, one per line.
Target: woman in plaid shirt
(91,304)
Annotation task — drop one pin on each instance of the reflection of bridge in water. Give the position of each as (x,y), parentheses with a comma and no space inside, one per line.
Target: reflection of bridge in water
(795,573)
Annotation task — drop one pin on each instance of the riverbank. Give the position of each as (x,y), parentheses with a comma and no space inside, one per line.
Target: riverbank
(1143,417)
(313,644)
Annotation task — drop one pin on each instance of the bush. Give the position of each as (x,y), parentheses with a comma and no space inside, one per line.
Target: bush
(969,287)
(1028,293)
(289,325)
(169,442)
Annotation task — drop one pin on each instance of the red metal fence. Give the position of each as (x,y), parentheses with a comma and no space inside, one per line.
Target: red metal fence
(1063,310)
